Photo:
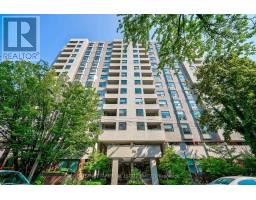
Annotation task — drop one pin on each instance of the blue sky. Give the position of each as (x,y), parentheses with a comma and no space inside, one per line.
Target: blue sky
(56,30)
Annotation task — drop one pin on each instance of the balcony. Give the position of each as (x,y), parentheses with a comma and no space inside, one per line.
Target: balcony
(154,126)
(113,82)
(150,101)
(112,90)
(146,74)
(110,112)
(147,82)
(111,100)
(113,74)
(152,112)
(108,125)
(148,91)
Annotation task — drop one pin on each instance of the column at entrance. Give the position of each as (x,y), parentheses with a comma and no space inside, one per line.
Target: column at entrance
(114,176)
(154,174)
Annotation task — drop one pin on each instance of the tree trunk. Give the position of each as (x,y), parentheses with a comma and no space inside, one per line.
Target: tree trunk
(3,157)
(34,167)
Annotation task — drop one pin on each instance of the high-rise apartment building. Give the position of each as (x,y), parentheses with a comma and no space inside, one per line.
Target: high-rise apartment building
(144,109)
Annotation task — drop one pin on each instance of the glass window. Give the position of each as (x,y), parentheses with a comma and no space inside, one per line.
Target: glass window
(122,126)
(122,112)
(162,103)
(101,93)
(124,55)
(73,55)
(171,85)
(138,100)
(165,114)
(67,66)
(109,53)
(78,46)
(123,74)
(102,84)
(104,77)
(124,61)
(192,104)
(135,56)
(177,104)
(107,58)
(105,70)
(106,64)
(174,94)
(123,90)
(135,51)
(71,61)
(181,115)
(136,67)
(140,126)
(124,82)
(135,61)
(124,67)
(76,50)
(137,82)
(123,100)
(168,128)
(185,129)
(138,91)
(136,74)
(156,76)
(139,112)
(160,93)
(159,85)
(247,182)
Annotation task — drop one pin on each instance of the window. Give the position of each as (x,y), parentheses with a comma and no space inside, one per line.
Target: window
(105,70)
(76,50)
(138,101)
(181,115)
(196,114)
(101,93)
(168,128)
(71,61)
(159,85)
(123,90)
(104,77)
(106,64)
(73,55)
(135,51)
(160,93)
(136,56)
(162,103)
(124,61)
(156,76)
(67,66)
(123,74)
(192,104)
(177,104)
(136,74)
(174,94)
(107,58)
(102,84)
(139,112)
(137,82)
(140,126)
(138,91)
(122,112)
(78,46)
(71,165)
(136,67)
(108,53)
(165,114)
(122,126)
(171,85)
(123,82)
(247,182)
(185,129)
(123,100)
(135,61)
(124,55)
(124,67)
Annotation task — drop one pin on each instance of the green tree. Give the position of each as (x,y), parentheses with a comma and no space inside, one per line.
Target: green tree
(176,166)
(98,162)
(44,117)
(135,177)
(214,168)
(226,92)
(187,37)
(249,164)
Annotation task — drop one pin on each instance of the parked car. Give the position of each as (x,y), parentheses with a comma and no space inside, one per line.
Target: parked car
(9,177)
(234,180)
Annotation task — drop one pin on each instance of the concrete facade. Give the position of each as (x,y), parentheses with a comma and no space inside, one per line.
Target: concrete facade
(144,109)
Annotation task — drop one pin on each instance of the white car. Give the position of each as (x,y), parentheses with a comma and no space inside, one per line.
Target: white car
(234,180)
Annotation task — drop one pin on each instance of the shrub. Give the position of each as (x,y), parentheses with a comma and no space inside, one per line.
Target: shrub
(135,178)
(94,182)
(39,180)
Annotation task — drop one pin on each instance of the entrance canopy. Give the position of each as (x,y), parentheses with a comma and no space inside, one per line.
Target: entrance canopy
(137,151)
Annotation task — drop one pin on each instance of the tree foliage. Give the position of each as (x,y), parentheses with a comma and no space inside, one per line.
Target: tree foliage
(226,88)
(44,117)
(187,37)
(98,161)
(175,166)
